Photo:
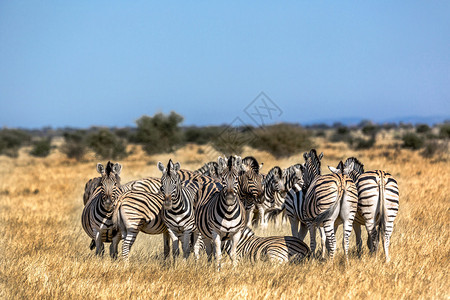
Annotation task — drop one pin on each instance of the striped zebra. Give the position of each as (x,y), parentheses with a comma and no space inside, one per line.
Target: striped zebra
(327,198)
(273,207)
(209,169)
(179,201)
(96,215)
(272,185)
(279,249)
(250,186)
(221,216)
(378,203)
(139,211)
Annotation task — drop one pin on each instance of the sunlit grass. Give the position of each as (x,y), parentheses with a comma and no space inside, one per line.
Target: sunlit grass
(45,252)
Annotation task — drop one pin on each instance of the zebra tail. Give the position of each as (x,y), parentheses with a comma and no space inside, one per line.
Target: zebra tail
(382,206)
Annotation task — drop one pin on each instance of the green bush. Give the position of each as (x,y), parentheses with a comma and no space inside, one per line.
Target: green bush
(360,143)
(11,140)
(202,135)
(41,148)
(106,144)
(282,139)
(159,133)
(423,128)
(433,148)
(74,144)
(412,141)
(342,134)
(370,130)
(444,131)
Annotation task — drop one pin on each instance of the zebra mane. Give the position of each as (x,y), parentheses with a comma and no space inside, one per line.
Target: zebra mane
(358,167)
(109,168)
(230,162)
(252,163)
(341,167)
(274,171)
(312,167)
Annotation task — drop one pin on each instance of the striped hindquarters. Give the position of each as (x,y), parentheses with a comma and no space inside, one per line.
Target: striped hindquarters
(149,185)
(378,197)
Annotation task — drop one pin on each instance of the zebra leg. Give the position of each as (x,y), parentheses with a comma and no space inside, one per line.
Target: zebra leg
(347,230)
(114,245)
(99,247)
(185,243)
(303,231)
(196,241)
(386,241)
(208,247)
(294,227)
(166,243)
(328,226)
(249,216)
(217,248)
(357,229)
(372,240)
(323,240)
(128,242)
(312,236)
(234,242)
(262,217)
(175,243)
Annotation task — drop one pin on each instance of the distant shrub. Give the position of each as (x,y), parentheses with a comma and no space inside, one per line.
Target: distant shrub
(106,144)
(412,141)
(11,140)
(360,143)
(444,131)
(201,135)
(370,129)
(423,128)
(41,148)
(282,139)
(433,148)
(159,133)
(74,144)
(342,134)
(124,133)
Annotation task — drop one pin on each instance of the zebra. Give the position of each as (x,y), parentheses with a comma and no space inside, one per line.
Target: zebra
(96,215)
(137,211)
(179,201)
(272,185)
(209,169)
(250,186)
(221,216)
(327,198)
(273,248)
(276,205)
(378,203)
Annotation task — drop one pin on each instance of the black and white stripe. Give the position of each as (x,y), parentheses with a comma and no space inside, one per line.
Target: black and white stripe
(209,169)
(96,216)
(221,216)
(277,249)
(250,185)
(378,203)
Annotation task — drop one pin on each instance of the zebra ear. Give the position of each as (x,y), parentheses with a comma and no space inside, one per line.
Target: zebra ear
(222,163)
(334,170)
(298,172)
(100,169)
(305,155)
(320,156)
(117,168)
(260,166)
(176,167)
(161,167)
(238,162)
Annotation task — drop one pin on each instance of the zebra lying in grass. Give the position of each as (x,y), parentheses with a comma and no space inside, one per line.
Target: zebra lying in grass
(273,248)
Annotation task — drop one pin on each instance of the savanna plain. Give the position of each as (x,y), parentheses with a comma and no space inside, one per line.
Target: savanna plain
(45,252)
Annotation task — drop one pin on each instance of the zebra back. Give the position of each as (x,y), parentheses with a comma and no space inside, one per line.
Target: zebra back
(209,169)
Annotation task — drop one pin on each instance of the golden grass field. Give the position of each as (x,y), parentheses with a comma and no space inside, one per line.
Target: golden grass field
(45,252)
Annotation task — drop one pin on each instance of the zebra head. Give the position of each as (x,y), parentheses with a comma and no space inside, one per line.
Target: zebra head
(250,179)
(274,181)
(342,169)
(170,182)
(228,172)
(109,183)
(312,167)
(357,170)
(293,176)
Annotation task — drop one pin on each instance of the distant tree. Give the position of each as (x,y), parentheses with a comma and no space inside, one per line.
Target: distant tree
(11,140)
(74,144)
(106,144)
(444,131)
(423,128)
(412,141)
(42,147)
(159,133)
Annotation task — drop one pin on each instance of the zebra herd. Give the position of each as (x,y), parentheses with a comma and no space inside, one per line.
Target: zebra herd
(211,209)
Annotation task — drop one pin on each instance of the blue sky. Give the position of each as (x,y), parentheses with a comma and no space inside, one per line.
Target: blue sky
(85,63)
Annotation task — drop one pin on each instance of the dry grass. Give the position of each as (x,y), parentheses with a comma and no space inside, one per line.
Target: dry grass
(44,251)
